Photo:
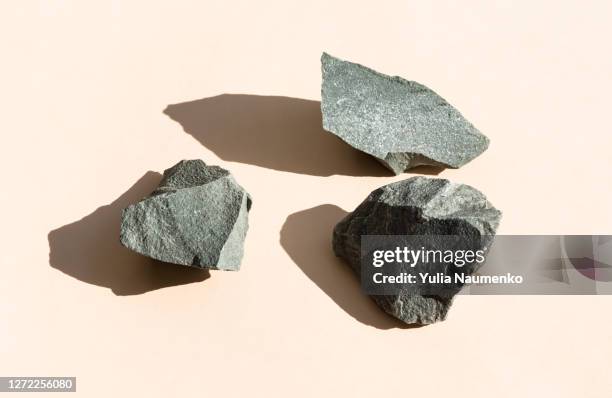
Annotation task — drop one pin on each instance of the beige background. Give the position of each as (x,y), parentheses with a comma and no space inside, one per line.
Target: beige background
(84,86)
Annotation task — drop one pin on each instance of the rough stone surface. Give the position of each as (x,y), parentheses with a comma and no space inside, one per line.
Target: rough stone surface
(416,206)
(401,123)
(197,216)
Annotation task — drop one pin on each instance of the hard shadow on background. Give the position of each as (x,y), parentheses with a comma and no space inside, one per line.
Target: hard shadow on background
(307,237)
(89,250)
(279,133)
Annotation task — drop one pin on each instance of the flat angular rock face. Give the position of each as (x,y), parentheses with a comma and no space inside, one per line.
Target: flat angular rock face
(197,216)
(416,206)
(401,123)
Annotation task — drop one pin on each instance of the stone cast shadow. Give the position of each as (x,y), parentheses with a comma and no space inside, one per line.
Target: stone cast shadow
(89,250)
(279,133)
(306,236)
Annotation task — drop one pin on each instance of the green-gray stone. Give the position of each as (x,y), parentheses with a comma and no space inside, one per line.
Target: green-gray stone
(416,206)
(401,123)
(197,216)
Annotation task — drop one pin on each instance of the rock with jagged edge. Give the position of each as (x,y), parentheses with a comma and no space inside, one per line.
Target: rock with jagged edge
(423,207)
(401,123)
(197,216)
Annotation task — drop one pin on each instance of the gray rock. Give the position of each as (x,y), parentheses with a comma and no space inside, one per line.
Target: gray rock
(424,207)
(197,216)
(401,123)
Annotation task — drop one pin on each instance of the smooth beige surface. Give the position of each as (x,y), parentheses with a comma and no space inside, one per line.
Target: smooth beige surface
(84,86)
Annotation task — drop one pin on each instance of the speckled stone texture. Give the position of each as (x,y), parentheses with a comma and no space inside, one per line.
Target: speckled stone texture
(416,206)
(401,123)
(197,216)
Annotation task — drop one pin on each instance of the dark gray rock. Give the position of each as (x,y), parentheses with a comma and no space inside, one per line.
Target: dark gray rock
(401,123)
(197,216)
(424,207)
